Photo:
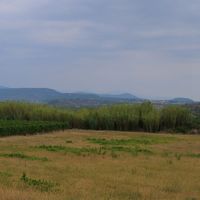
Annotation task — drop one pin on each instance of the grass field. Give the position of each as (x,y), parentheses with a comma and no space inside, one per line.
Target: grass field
(88,165)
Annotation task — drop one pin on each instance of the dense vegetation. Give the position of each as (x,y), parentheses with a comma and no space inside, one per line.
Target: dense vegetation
(13,127)
(21,118)
(137,117)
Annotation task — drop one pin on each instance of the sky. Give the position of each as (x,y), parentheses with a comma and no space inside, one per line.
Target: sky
(150,48)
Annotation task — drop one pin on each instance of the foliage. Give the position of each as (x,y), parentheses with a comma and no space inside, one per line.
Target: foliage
(22,118)
(13,127)
(31,112)
(137,117)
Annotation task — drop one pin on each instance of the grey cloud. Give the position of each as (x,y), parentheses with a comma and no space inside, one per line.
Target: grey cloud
(146,47)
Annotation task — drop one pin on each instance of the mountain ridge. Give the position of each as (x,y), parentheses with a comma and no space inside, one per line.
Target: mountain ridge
(54,97)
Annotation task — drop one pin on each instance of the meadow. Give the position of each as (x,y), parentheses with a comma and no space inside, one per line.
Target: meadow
(76,165)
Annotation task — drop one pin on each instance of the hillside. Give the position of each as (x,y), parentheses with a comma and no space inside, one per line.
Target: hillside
(181,100)
(53,97)
(29,94)
(120,96)
(78,99)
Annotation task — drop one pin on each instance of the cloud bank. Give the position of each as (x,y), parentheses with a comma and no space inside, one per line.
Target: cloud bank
(145,47)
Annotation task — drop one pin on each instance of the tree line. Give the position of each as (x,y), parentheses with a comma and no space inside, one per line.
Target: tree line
(123,117)
(137,117)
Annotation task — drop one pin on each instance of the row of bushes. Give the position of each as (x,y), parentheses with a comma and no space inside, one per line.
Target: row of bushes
(135,117)
(13,127)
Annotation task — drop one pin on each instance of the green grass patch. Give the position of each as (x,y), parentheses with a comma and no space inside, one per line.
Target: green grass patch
(141,140)
(132,150)
(42,185)
(23,156)
(193,155)
(97,151)
(178,156)
(73,150)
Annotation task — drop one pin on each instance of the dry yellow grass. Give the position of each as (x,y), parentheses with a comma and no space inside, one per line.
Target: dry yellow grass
(170,171)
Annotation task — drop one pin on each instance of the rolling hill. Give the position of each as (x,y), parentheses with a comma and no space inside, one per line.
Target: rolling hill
(53,97)
(78,99)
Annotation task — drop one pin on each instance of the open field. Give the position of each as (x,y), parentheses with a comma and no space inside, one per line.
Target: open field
(76,165)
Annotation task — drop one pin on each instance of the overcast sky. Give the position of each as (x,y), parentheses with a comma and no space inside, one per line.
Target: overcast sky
(145,47)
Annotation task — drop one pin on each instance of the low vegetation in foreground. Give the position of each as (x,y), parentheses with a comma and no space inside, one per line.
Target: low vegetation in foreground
(89,165)
(24,118)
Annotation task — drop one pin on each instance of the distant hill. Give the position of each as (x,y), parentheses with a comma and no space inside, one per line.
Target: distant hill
(181,101)
(29,94)
(80,95)
(45,95)
(78,99)
(119,96)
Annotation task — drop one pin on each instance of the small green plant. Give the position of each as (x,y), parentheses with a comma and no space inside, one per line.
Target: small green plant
(42,185)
